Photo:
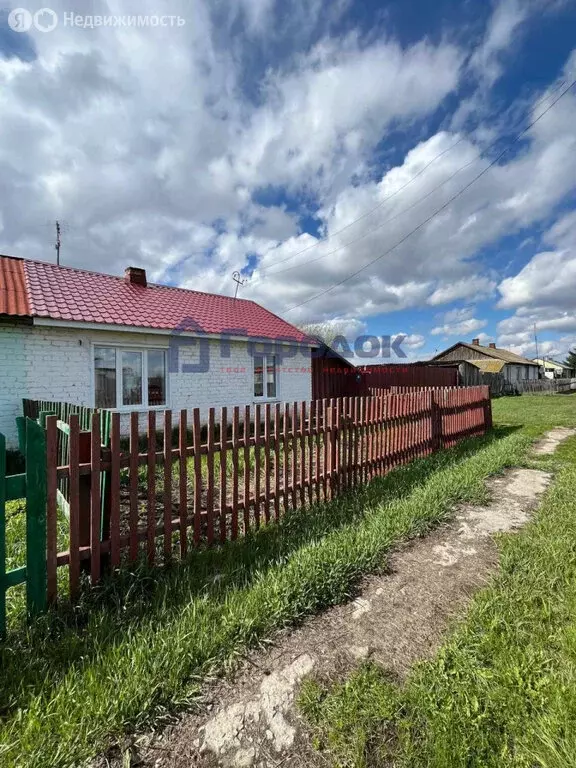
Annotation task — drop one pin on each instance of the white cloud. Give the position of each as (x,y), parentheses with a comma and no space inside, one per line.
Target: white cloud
(412,340)
(525,344)
(500,34)
(151,145)
(543,293)
(472,288)
(462,328)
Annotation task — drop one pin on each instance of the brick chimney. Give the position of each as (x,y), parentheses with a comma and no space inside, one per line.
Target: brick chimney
(492,345)
(135,276)
(476,342)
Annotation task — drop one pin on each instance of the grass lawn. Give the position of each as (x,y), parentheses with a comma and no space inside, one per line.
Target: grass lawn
(536,410)
(502,690)
(140,646)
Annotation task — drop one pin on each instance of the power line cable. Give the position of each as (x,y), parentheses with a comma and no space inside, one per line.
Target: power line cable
(400,213)
(319,242)
(442,207)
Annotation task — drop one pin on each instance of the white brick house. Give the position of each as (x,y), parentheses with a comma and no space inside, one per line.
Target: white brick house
(103,341)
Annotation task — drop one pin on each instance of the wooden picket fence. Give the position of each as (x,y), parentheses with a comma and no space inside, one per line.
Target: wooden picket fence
(31,486)
(191,484)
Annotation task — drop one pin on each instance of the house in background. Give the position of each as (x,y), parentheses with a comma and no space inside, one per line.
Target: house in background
(479,364)
(552,369)
(121,343)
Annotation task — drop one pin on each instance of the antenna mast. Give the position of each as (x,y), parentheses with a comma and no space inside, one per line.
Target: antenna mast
(238,280)
(58,242)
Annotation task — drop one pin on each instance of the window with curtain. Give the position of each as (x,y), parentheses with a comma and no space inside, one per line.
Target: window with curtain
(265,376)
(129,378)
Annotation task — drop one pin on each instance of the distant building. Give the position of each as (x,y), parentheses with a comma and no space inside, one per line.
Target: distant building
(552,369)
(489,360)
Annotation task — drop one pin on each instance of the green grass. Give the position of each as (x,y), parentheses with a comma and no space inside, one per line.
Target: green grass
(536,410)
(502,690)
(141,646)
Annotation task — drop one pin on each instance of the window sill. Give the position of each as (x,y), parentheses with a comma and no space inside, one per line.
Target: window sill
(139,408)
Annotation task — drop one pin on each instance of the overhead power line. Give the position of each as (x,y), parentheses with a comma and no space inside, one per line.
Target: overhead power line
(442,207)
(319,242)
(404,210)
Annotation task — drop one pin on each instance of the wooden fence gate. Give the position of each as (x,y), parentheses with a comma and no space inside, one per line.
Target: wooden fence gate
(30,485)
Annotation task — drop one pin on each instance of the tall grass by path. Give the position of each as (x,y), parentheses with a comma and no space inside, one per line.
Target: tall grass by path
(502,690)
(80,681)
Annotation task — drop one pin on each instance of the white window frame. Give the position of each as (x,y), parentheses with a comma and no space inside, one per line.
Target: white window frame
(143,350)
(264,397)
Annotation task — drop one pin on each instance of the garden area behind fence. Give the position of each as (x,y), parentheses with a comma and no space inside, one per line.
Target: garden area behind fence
(156,492)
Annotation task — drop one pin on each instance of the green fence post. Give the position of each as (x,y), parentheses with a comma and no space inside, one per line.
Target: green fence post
(21,427)
(2,536)
(36,576)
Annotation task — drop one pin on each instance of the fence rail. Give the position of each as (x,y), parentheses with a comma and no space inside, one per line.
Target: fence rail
(188,484)
(179,491)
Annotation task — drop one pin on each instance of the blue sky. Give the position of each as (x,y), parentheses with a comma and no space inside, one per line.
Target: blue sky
(296,141)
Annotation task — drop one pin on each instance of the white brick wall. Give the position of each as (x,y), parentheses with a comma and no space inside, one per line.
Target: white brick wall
(56,364)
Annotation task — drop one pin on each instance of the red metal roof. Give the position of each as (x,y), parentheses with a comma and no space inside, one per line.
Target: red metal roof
(64,293)
(13,294)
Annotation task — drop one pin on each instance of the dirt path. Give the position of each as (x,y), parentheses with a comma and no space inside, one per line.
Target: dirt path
(399,617)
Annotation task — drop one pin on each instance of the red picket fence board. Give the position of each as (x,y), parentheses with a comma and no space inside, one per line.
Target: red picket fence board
(183,482)
(115,460)
(235,472)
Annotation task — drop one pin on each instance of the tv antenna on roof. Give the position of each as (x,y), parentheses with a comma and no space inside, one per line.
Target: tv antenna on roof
(58,242)
(61,227)
(239,281)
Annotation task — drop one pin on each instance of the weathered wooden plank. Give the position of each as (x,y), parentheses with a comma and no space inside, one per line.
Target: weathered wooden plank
(277,466)
(115,457)
(51,507)
(267,462)
(133,485)
(223,473)
(95,500)
(210,478)
(302,453)
(3,499)
(74,521)
(167,517)
(197,440)
(151,496)
(183,481)
(247,472)
(257,466)
(235,471)
(294,432)
(286,441)
(310,442)
(326,449)
(318,449)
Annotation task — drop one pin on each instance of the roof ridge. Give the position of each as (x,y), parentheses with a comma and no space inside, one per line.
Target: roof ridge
(122,279)
(72,294)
